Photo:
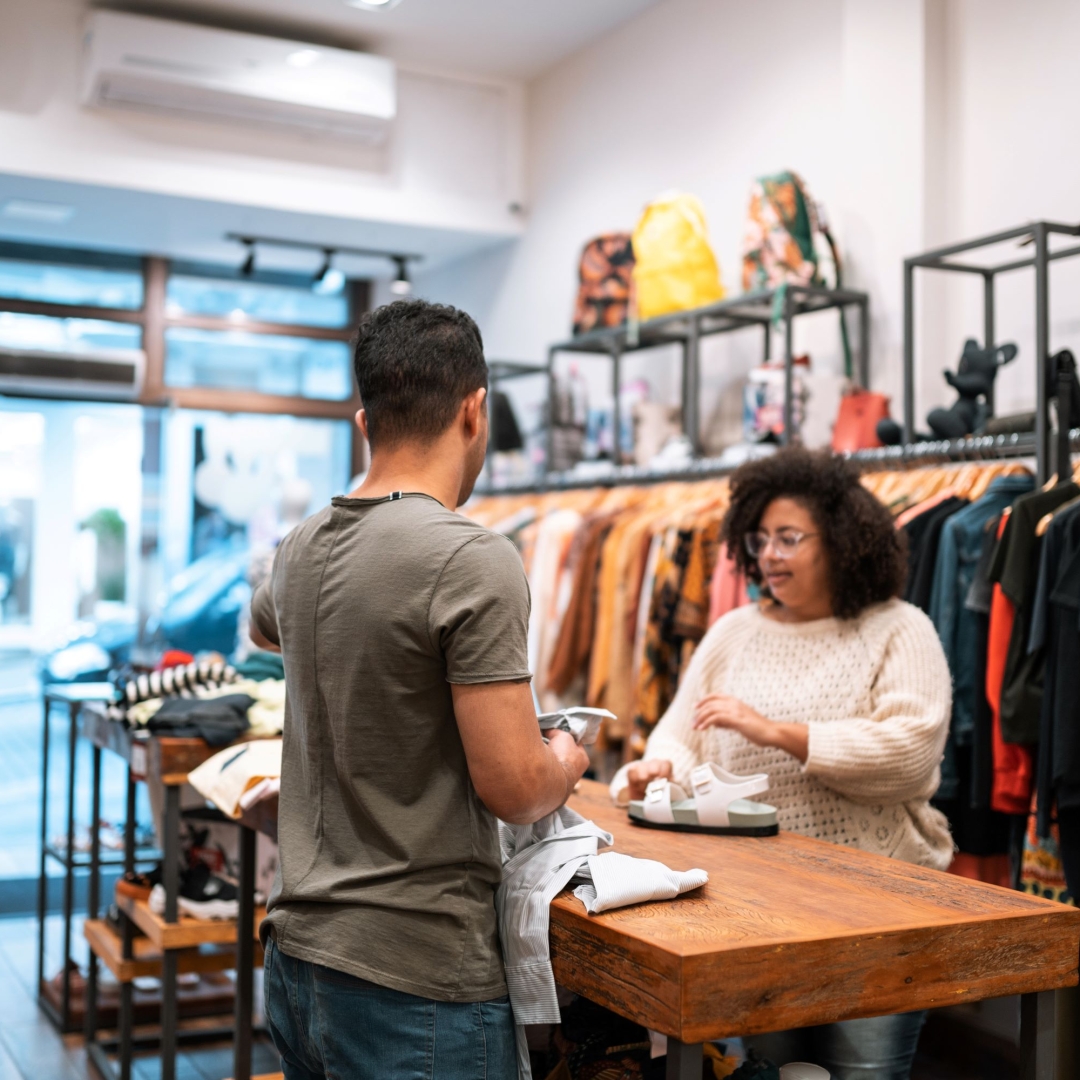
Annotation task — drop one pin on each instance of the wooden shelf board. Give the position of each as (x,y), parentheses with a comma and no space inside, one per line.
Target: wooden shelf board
(187,932)
(108,947)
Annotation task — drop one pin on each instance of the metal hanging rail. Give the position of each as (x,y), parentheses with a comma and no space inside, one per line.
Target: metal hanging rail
(913,455)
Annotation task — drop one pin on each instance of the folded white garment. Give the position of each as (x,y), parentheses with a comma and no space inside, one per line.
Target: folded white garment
(225,777)
(613,880)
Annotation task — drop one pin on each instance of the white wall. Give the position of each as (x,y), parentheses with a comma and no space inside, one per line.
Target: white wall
(453,160)
(916,122)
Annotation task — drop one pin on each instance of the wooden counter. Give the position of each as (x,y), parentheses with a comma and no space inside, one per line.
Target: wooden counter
(791,932)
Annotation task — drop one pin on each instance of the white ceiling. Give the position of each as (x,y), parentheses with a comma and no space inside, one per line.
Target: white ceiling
(515,39)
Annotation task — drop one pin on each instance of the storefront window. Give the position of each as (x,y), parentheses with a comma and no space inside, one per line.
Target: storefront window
(267,363)
(50,283)
(191,295)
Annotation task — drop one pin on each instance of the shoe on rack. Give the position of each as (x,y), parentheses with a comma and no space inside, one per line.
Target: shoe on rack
(203,895)
(138,886)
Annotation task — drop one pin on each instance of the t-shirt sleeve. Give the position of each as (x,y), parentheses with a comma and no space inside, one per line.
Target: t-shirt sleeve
(479,613)
(264,613)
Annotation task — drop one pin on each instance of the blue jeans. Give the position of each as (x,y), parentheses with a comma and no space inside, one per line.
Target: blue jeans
(878,1048)
(325,1023)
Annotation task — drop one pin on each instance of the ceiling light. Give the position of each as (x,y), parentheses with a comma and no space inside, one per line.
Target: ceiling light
(249,263)
(401,285)
(302,58)
(373,5)
(329,280)
(44,213)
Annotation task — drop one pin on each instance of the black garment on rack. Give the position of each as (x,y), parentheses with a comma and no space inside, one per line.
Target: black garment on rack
(1057,631)
(505,432)
(1015,568)
(978,601)
(975,830)
(924,535)
(219,721)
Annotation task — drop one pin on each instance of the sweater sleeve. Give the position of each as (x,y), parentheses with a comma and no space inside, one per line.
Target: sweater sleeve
(894,754)
(674,738)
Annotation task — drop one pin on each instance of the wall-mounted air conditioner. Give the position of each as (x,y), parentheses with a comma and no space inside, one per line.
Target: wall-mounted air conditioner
(111,375)
(136,62)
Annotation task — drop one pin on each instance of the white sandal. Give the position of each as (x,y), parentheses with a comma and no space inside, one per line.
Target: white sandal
(719,804)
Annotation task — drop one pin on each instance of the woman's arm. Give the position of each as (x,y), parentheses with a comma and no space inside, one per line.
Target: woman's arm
(894,754)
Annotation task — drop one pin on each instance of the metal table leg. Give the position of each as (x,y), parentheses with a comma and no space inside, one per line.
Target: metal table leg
(93,892)
(171,876)
(684,1060)
(69,866)
(1037,1043)
(245,956)
(127,990)
(43,879)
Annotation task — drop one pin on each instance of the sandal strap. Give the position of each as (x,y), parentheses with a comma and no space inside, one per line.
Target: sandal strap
(656,806)
(715,790)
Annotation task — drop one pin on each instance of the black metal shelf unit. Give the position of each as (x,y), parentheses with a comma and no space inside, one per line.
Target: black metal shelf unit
(1037,233)
(687,328)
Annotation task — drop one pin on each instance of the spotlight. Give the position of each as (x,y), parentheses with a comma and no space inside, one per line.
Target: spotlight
(329,280)
(249,263)
(401,285)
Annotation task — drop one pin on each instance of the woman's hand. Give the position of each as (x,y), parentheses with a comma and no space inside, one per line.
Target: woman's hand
(641,774)
(723,711)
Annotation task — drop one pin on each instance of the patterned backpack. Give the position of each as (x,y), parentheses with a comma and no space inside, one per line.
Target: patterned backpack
(606,273)
(786,240)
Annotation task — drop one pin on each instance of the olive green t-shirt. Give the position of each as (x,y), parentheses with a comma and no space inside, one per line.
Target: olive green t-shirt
(389,860)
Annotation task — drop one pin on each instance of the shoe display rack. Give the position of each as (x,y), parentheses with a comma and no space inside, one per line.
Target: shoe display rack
(61,998)
(164,946)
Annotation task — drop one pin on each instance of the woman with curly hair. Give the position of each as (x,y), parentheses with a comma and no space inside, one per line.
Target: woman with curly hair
(831,685)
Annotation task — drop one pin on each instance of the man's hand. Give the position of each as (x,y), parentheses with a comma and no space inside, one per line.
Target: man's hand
(517,776)
(641,774)
(570,756)
(724,711)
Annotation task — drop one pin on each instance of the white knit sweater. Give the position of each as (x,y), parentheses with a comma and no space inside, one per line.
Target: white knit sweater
(876,694)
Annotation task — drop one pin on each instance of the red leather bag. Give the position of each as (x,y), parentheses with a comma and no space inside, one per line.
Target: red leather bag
(856,423)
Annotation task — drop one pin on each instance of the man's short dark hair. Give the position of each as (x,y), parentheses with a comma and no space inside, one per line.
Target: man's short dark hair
(415,363)
(867,555)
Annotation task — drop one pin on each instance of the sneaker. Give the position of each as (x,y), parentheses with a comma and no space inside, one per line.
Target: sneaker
(202,895)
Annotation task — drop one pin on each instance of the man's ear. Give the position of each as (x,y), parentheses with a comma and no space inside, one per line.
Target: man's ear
(472,410)
(361,423)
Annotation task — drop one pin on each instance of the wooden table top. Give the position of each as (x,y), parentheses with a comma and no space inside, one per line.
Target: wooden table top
(791,931)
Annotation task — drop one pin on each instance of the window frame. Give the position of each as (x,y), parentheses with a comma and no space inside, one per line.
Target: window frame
(154,320)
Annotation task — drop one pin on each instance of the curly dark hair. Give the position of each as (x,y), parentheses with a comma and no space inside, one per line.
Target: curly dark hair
(866,553)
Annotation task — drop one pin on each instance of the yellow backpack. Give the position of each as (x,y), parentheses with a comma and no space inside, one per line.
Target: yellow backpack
(675,268)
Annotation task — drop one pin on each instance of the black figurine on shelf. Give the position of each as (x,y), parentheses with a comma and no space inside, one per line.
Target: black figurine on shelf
(974,382)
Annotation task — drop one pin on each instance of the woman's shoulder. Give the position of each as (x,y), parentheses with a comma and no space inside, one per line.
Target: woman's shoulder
(896,623)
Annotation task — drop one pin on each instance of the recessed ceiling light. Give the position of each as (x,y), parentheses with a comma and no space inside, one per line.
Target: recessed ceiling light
(373,5)
(302,58)
(43,213)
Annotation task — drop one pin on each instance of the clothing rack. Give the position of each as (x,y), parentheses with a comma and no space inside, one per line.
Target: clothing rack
(973,448)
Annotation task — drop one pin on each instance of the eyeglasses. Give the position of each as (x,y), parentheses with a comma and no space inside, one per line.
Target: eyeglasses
(784,544)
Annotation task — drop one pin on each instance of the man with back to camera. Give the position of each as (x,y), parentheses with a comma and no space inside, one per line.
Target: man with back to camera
(409,728)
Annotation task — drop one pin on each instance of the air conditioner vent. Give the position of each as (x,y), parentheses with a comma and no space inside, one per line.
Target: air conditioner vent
(136,62)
